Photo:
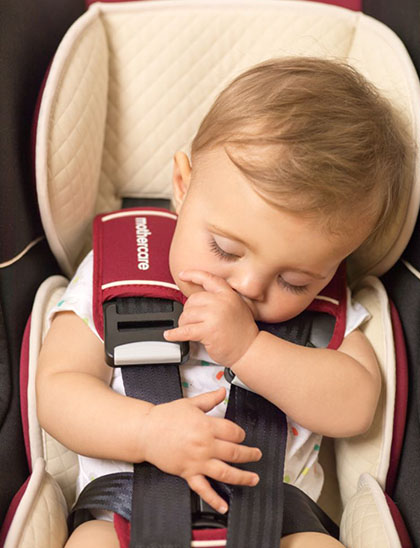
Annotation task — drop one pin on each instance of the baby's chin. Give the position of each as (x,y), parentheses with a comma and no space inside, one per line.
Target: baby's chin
(271,318)
(274,316)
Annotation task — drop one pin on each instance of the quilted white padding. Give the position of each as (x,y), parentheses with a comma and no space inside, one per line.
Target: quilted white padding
(40,520)
(367,522)
(167,61)
(168,64)
(61,463)
(370,452)
(70,137)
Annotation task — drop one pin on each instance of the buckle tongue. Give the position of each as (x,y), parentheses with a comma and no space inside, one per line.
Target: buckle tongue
(134,332)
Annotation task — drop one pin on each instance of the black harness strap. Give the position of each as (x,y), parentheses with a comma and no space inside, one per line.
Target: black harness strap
(112,490)
(161,503)
(256,514)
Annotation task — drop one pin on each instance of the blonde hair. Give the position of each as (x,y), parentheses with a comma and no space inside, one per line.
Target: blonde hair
(313,135)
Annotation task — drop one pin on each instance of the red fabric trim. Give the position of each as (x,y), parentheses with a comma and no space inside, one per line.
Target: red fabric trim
(90,2)
(401,399)
(24,375)
(336,289)
(122,528)
(399,523)
(209,534)
(355,5)
(11,512)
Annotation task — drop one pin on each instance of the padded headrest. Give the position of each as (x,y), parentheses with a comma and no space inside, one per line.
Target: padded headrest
(131,82)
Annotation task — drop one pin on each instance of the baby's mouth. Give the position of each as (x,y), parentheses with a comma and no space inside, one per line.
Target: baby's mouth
(251,305)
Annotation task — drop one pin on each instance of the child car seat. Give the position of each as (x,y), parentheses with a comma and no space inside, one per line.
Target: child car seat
(128,86)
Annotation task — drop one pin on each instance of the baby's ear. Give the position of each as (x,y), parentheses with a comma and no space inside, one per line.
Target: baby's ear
(181,177)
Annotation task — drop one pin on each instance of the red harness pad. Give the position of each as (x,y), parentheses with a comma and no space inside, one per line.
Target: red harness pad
(131,249)
(333,300)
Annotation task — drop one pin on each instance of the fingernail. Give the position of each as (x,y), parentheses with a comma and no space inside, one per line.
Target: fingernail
(223,509)
(255,480)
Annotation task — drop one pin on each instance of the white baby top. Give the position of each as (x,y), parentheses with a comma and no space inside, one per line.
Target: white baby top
(201,374)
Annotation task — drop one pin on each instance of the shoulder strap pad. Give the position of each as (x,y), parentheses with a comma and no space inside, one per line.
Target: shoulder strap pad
(333,300)
(131,249)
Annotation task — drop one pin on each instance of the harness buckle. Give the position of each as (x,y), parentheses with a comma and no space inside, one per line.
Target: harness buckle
(203,516)
(133,332)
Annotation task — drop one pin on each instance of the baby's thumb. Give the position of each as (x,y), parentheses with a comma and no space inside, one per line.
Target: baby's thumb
(208,400)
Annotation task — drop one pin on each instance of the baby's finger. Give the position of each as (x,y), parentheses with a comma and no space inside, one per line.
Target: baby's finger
(202,487)
(194,314)
(233,452)
(208,400)
(221,471)
(190,332)
(209,282)
(227,430)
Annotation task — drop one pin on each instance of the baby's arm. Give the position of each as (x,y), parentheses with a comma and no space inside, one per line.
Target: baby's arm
(332,392)
(76,405)
(327,391)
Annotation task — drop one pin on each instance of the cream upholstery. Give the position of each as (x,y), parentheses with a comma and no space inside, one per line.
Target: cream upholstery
(131,81)
(371,452)
(40,520)
(367,521)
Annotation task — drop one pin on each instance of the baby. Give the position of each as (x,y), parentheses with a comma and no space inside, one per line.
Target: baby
(295,166)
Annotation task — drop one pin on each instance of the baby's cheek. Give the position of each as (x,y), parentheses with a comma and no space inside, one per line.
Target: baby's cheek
(285,308)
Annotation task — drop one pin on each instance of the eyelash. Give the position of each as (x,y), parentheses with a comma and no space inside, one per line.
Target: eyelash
(296,289)
(221,253)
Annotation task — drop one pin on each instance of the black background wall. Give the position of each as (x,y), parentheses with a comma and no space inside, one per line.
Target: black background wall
(403,17)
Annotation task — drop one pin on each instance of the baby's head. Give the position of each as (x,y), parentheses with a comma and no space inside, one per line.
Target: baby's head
(297,163)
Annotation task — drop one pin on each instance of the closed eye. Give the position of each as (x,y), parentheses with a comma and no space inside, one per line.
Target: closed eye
(221,253)
(296,289)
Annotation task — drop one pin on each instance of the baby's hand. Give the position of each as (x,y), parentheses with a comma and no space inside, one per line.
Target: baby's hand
(217,317)
(184,441)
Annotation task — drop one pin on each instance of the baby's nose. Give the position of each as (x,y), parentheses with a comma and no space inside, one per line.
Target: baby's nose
(250,287)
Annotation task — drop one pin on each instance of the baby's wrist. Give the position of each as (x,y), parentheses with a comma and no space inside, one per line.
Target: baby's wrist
(144,429)
(249,356)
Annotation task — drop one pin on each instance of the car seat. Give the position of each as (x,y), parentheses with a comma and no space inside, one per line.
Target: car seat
(127,87)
